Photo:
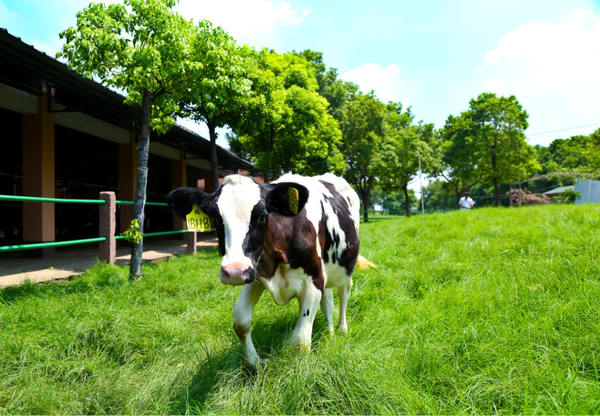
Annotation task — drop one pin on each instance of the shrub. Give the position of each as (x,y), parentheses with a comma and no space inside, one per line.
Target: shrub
(528,197)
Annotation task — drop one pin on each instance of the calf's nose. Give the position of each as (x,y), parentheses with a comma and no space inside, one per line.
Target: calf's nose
(235,273)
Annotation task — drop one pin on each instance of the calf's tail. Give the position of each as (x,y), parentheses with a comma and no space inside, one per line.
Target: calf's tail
(364,264)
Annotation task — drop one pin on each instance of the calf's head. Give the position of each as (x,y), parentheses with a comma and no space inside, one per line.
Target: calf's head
(241,210)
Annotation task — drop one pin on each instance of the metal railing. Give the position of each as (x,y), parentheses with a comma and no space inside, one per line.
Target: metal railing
(102,239)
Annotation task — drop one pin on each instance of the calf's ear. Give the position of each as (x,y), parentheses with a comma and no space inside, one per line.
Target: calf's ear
(181,201)
(287,198)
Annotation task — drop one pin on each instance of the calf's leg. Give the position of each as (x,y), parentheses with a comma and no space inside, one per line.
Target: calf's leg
(343,294)
(242,318)
(327,308)
(308,301)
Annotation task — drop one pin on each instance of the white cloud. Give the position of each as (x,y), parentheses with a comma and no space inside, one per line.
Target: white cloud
(249,21)
(553,55)
(385,81)
(553,69)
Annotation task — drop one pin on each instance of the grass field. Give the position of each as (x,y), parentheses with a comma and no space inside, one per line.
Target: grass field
(480,312)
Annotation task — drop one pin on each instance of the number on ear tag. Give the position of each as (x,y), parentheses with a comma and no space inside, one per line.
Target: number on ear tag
(293,199)
(197,220)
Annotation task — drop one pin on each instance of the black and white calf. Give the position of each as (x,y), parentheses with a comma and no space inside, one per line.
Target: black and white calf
(296,243)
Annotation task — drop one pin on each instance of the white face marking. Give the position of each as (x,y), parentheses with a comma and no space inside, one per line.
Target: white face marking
(238,196)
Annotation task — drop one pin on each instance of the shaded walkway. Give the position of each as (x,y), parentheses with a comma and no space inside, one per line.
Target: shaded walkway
(70,262)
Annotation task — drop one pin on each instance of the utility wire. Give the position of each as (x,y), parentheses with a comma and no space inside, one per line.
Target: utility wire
(568,128)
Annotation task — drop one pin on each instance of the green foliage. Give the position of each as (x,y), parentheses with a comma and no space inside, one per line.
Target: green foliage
(133,234)
(404,145)
(285,125)
(394,201)
(498,130)
(141,45)
(570,196)
(218,87)
(575,154)
(363,132)
(490,311)
(487,143)
(592,152)
(336,91)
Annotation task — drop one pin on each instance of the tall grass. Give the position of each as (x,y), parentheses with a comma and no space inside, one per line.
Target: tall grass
(487,311)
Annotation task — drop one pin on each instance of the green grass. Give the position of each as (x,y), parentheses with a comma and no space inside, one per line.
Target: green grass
(480,312)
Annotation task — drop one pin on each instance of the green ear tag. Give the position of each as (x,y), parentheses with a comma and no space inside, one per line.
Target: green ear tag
(293,199)
(197,220)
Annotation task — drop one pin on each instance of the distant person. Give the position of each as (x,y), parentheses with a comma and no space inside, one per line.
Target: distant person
(466,202)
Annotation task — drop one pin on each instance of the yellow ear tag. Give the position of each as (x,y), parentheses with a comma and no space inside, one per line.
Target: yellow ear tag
(293,199)
(197,220)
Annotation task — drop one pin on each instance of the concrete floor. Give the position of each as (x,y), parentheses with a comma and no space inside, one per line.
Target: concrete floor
(69,262)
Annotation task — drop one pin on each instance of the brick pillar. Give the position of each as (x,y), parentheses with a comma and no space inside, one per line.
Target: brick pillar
(128,160)
(108,211)
(179,179)
(38,177)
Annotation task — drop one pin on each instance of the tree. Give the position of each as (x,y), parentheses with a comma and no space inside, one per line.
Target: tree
(285,125)
(498,125)
(459,164)
(219,87)
(592,152)
(143,48)
(362,129)
(337,92)
(404,145)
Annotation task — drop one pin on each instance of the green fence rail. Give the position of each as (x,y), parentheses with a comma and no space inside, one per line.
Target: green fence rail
(72,201)
(55,200)
(51,244)
(155,204)
(33,246)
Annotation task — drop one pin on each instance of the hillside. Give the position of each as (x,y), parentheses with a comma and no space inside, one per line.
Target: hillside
(487,311)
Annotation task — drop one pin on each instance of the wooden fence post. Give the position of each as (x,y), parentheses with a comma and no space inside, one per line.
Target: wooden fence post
(191,242)
(108,211)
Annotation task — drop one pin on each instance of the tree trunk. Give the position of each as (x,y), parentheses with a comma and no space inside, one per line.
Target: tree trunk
(365,191)
(457,191)
(497,190)
(496,186)
(365,208)
(214,162)
(135,264)
(407,198)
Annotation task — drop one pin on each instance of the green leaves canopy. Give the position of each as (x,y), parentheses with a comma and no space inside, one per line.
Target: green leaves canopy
(141,45)
(488,143)
(397,163)
(285,125)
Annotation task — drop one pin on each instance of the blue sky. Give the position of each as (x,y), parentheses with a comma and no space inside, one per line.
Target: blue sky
(432,55)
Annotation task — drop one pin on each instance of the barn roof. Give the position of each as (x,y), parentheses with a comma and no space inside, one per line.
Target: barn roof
(558,190)
(27,69)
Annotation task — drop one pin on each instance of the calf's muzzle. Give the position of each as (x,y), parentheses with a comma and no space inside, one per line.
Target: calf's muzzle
(236,274)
